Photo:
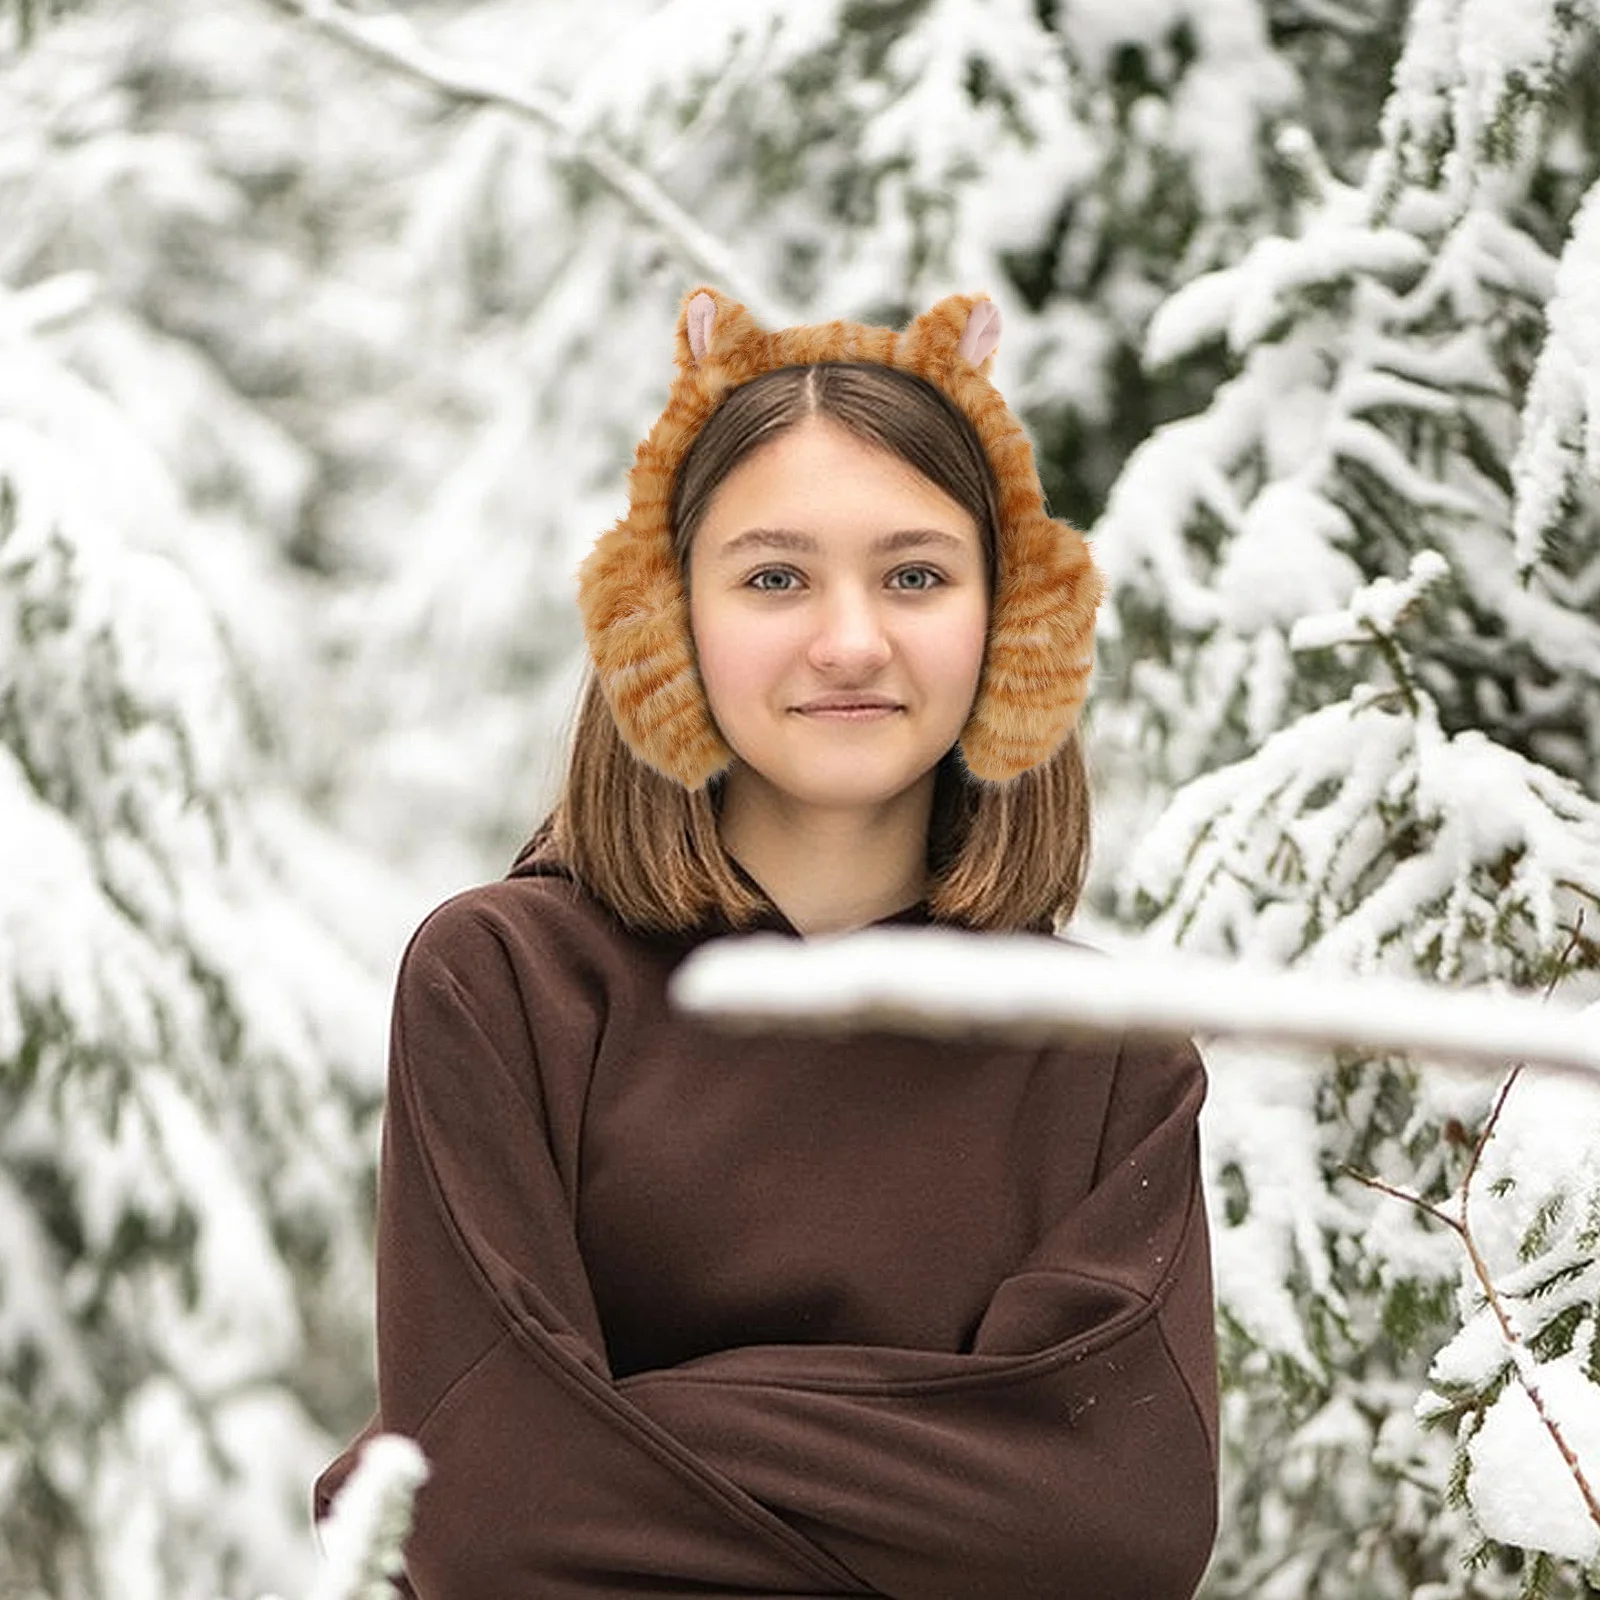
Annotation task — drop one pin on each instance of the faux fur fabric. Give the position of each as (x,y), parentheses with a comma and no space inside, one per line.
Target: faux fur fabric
(635,609)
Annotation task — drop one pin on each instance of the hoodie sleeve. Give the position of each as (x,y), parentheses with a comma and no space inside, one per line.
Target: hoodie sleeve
(543,1481)
(1138,1242)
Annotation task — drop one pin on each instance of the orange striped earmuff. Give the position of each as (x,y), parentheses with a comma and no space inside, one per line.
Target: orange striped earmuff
(635,608)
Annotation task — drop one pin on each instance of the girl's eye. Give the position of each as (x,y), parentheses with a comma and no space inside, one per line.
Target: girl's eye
(766,572)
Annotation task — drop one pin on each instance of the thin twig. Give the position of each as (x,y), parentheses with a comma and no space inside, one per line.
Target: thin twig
(1515,1342)
(1461,1226)
(392,41)
(1563,961)
(1397,1193)
(1518,1344)
(1487,1132)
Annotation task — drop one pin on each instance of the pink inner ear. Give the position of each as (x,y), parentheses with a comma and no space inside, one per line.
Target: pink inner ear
(982,332)
(702,315)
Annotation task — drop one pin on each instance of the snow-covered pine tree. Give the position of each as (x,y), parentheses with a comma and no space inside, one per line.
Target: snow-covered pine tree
(1354,637)
(239,188)
(190,1058)
(1078,159)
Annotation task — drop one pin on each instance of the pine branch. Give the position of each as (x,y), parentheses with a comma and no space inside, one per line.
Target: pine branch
(391,41)
(1521,1357)
(1461,1225)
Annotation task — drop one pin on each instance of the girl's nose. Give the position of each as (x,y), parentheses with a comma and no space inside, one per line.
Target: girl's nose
(850,622)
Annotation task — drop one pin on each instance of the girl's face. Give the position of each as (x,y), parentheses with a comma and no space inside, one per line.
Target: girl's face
(796,592)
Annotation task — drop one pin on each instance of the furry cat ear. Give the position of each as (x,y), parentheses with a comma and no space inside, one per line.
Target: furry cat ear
(702,317)
(982,332)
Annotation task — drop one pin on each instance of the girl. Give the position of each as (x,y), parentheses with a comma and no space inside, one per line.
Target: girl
(679,1311)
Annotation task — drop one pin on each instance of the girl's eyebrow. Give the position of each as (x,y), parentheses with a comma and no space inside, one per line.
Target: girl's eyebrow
(793,539)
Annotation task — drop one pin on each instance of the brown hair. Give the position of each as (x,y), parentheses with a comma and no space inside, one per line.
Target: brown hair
(1003,856)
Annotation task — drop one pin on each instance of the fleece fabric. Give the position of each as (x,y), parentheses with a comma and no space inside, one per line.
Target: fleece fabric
(677,1311)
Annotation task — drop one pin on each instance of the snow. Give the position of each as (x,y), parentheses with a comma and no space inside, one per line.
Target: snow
(667,51)
(1237,72)
(1259,1117)
(1462,88)
(1242,838)
(59,934)
(1172,474)
(243,1321)
(1284,563)
(1560,443)
(937,980)
(1235,84)
(176,1087)
(1371,447)
(1244,304)
(1479,255)
(1549,1124)
(1484,563)
(1375,610)
(1531,1228)
(1522,1490)
(1276,845)
(920,121)
(1544,1153)
(370,1517)
(1266,681)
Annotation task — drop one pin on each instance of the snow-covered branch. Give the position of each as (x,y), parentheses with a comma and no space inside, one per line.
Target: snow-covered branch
(1518,1347)
(941,981)
(391,41)
(1470,90)
(371,1516)
(1560,445)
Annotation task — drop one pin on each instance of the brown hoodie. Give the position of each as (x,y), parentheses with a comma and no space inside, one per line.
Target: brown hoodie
(677,1311)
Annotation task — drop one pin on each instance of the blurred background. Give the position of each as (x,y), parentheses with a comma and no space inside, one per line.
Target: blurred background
(326,336)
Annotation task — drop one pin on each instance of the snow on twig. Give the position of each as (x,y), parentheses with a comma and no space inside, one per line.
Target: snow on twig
(391,41)
(1516,1343)
(365,1531)
(943,981)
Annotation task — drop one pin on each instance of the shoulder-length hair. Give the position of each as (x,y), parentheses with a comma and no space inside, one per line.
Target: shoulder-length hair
(1003,857)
